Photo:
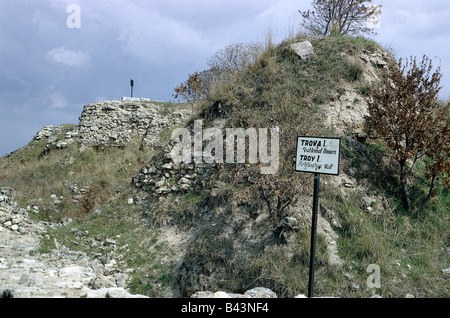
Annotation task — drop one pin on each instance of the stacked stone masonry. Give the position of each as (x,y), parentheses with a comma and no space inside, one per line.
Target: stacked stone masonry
(164,177)
(116,123)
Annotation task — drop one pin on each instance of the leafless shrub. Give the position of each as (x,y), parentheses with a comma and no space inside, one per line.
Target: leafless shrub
(224,65)
(236,57)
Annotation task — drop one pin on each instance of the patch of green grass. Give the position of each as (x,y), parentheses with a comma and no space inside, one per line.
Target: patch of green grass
(410,251)
(354,73)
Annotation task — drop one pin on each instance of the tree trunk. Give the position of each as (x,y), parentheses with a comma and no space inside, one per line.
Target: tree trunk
(430,192)
(404,181)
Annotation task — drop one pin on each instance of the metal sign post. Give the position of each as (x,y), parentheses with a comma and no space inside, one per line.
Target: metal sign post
(132,85)
(319,156)
(313,235)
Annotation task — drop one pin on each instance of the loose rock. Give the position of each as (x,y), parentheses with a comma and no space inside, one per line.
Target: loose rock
(27,273)
(303,49)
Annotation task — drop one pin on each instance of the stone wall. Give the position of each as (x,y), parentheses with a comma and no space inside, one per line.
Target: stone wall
(58,137)
(116,123)
(163,177)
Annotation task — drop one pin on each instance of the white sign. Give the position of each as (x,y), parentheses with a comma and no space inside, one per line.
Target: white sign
(318,155)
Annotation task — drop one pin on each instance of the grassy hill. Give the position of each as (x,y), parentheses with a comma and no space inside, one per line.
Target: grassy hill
(232,237)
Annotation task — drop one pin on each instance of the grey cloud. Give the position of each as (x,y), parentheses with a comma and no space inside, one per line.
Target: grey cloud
(48,71)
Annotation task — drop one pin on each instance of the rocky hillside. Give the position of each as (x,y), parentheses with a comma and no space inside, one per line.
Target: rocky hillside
(27,272)
(109,188)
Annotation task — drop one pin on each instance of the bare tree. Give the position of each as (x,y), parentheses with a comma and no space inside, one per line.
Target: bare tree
(236,57)
(405,113)
(225,63)
(340,17)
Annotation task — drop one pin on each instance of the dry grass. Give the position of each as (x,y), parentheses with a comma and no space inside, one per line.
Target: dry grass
(279,90)
(36,176)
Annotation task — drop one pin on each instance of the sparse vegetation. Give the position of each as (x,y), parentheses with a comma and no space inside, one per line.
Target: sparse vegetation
(270,93)
(232,245)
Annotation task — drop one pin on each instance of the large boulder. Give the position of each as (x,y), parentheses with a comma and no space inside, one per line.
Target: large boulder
(303,49)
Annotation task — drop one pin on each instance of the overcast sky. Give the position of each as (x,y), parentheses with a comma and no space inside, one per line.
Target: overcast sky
(50,68)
